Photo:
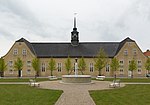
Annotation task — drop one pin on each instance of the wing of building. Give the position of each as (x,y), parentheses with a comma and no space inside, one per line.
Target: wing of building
(124,51)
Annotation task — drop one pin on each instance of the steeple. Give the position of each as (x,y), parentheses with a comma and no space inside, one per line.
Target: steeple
(74,34)
(74,22)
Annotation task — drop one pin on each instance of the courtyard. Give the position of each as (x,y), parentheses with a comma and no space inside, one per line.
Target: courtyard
(54,92)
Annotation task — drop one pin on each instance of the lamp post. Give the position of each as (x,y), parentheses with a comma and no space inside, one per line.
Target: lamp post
(76,66)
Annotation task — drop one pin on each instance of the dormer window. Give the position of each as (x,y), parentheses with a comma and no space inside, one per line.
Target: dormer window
(125,52)
(24,52)
(15,51)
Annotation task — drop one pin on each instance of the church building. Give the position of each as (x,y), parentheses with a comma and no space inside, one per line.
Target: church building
(124,51)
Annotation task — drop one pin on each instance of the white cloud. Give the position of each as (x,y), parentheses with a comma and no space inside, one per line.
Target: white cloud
(52,20)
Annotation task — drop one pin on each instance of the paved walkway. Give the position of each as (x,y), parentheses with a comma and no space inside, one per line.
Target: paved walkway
(75,94)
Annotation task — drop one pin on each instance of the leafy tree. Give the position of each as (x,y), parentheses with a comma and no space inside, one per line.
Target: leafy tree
(147,65)
(100,60)
(18,66)
(132,67)
(52,66)
(2,67)
(68,65)
(36,66)
(82,65)
(114,66)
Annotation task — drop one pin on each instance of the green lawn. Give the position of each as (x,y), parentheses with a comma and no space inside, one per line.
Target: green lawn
(26,95)
(21,79)
(128,95)
(129,79)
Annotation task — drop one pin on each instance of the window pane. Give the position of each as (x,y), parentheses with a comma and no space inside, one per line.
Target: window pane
(59,67)
(15,51)
(24,52)
(91,67)
(43,67)
(28,63)
(125,52)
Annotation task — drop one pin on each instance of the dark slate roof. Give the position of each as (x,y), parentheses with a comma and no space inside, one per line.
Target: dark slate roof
(66,49)
(62,50)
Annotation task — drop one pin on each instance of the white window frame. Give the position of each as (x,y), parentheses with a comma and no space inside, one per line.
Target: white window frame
(139,62)
(43,67)
(139,71)
(59,67)
(134,52)
(121,71)
(91,67)
(15,52)
(24,52)
(126,52)
(108,68)
(11,71)
(29,64)
(121,62)
(28,71)
(10,63)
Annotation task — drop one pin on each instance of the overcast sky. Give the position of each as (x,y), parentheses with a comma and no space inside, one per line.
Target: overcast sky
(52,21)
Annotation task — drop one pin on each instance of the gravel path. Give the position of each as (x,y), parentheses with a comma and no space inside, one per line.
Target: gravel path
(75,94)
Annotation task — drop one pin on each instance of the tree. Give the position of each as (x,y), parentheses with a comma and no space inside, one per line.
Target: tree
(52,66)
(18,66)
(2,67)
(114,66)
(36,66)
(82,65)
(100,60)
(147,65)
(132,66)
(68,65)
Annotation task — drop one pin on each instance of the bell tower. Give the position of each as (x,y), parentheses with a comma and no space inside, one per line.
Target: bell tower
(74,34)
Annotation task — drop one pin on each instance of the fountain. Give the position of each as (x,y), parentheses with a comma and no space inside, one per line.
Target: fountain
(76,78)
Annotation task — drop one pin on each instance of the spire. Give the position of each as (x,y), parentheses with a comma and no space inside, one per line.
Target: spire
(74,34)
(75,28)
(74,22)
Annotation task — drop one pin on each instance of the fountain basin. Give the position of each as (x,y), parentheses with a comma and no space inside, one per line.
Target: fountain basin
(76,78)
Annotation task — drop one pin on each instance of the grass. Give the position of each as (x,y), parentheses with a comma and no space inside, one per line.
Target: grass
(25,95)
(128,95)
(46,79)
(21,79)
(129,79)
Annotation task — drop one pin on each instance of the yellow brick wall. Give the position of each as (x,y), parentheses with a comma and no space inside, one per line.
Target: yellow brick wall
(129,46)
(11,57)
(139,56)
